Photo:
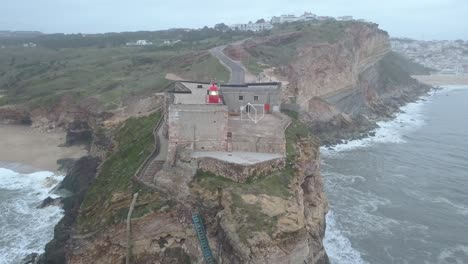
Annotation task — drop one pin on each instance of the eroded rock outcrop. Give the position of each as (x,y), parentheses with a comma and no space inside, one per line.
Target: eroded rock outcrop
(277,219)
(273,226)
(342,84)
(79,177)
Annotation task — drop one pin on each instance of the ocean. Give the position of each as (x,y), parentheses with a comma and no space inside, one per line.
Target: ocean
(402,196)
(24,229)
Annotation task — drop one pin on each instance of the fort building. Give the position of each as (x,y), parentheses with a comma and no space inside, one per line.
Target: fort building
(226,125)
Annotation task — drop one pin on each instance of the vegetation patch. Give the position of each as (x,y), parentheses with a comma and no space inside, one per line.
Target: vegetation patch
(205,70)
(134,142)
(294,132)
(251,219)
(269,52)
(254,66)
(274,184)
(156,204)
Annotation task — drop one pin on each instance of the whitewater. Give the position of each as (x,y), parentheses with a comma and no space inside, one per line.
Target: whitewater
(25,229)
(401,196)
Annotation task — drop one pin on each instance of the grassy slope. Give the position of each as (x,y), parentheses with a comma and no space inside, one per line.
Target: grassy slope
(205,69)
(134,142)
(282,53)
(407,65)
(39,76)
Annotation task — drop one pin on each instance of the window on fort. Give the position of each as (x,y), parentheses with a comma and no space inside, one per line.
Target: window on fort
(241,97)
(256,98)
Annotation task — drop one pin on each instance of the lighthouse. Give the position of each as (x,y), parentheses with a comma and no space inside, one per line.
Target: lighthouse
(213,94)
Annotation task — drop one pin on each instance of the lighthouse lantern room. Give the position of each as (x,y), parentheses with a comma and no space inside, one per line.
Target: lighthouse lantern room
(213,95)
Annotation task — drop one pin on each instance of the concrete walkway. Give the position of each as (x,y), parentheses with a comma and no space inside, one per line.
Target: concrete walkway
(235,67)
(244,158)
(162,146)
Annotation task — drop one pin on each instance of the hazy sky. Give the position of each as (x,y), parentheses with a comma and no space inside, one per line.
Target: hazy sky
(421,19)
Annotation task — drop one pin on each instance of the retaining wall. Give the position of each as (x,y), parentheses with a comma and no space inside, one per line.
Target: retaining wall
(239,172)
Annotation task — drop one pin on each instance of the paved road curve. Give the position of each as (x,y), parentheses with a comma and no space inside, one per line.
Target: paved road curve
(237,71)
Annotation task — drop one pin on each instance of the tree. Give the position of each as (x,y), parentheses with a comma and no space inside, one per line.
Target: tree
(260,21)
(221,27)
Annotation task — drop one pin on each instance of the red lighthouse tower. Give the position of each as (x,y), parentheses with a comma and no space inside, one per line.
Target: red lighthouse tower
(213,94)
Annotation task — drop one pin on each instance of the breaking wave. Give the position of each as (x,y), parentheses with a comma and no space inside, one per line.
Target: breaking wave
(24,228)
(338,246)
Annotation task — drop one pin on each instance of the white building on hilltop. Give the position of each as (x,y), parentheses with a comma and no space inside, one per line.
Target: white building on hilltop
(344,18)
(141,42)
(307,16)
(283,19)
(256,27)
(30,45)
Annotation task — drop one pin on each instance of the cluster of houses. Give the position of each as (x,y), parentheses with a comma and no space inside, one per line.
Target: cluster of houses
(29,45)
(307,16)
(445,56)
(144,42)
(141,42)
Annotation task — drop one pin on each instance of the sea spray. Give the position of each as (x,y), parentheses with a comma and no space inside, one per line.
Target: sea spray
(24,228)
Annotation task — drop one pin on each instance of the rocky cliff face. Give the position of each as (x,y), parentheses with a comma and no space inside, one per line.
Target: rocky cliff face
(323,70)
(342,76)
(277,219)
(343,88)
(264,223)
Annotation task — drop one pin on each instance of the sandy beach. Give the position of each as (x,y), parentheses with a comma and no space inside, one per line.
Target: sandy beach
(26,150)
(442,79)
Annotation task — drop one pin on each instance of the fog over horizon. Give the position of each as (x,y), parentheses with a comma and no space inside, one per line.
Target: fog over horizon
(418,19)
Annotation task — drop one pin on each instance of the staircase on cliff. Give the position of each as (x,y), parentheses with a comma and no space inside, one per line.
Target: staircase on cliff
(202,239)
(156,160)
(151,170)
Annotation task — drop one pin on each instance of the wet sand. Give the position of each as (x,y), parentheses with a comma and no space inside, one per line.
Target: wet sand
(26,150)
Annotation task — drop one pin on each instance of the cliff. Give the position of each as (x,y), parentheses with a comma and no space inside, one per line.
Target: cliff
(342,76)
(278,218)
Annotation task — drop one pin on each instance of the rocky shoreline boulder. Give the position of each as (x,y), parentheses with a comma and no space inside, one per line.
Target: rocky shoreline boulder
(49,201)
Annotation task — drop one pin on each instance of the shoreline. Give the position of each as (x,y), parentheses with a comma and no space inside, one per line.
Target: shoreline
(442,79)
(405,121)
(26,150)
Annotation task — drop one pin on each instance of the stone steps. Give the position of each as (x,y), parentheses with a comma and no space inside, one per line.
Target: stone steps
(151,170)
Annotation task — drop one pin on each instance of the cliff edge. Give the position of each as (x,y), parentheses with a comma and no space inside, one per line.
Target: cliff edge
(340,76)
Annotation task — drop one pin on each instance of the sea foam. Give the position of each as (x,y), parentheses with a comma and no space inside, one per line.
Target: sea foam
(338,246)
(25,229)
(392,131)
(410,117)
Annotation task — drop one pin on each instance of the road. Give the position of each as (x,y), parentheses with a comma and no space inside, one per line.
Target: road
(235,67)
